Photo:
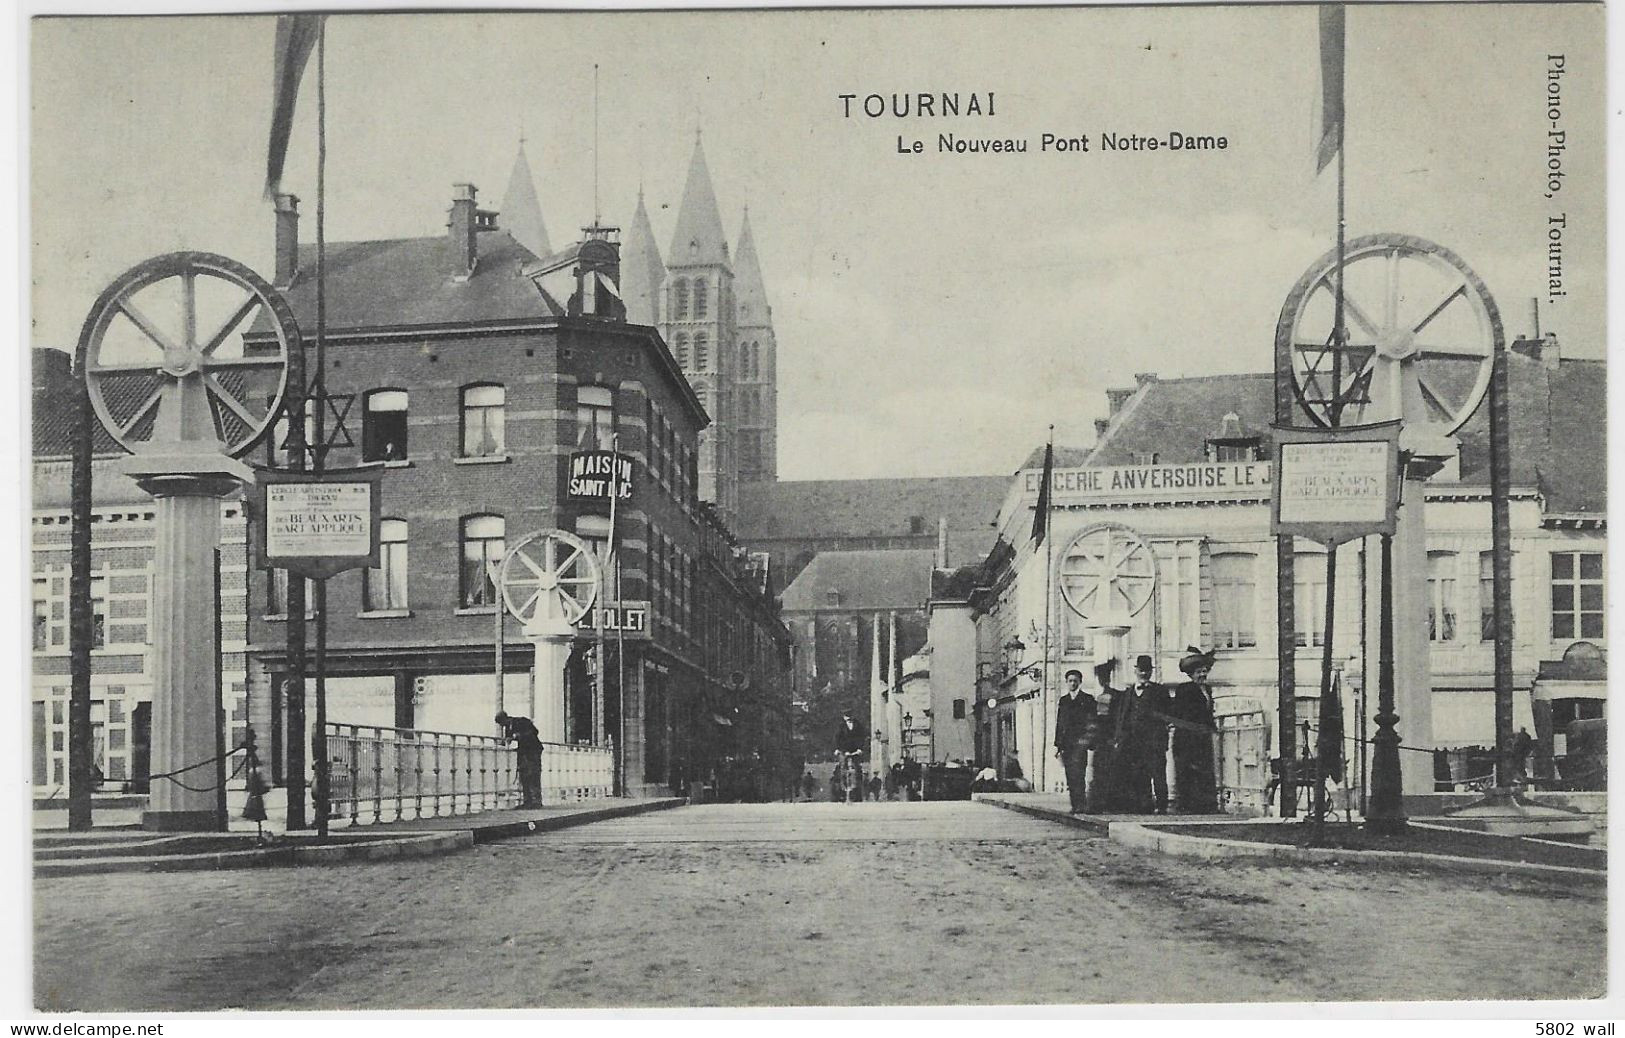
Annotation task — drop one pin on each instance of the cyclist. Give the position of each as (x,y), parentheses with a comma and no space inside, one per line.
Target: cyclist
(848,749)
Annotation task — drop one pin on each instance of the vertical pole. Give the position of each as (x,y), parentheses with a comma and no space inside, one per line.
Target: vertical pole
(219,709)
(1326,655)
(1387,808)
(499,640)
(618,786)
(1286,649)
(1041,751)
(319,743)
(1365,669)
(1501,563)
(79,618)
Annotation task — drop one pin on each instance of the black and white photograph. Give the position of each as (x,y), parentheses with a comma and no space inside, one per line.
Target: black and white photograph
(1022,508)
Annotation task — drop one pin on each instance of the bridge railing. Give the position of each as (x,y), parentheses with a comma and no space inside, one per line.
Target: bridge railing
(378,774)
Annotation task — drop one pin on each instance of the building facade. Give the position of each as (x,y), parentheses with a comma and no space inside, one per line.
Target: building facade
(472,370)
(1176,493)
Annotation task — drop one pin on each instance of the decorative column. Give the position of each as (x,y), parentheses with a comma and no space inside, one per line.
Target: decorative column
(552,638)
(188,488)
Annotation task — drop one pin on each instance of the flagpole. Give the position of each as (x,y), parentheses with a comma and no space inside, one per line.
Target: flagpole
(319,456)
(1049,556)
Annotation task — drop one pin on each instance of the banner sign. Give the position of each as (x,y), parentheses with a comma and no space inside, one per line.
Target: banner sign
(317,526)
(628,619)
(1333,485)
(593,472)
(1152,482)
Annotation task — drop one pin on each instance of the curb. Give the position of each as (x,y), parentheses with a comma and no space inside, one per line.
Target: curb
(1077,822)
(1142,837)
(504,830)
(405,845)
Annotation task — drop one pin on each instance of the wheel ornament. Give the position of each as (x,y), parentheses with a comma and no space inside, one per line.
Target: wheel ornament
(187,347)
(551,575)
(1107,574)
(1420,332)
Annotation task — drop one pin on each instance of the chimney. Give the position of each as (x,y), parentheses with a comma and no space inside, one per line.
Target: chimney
(1550,357)
(1100,426)
(1142,377)
(287,239)
(1116,398)
(462,223)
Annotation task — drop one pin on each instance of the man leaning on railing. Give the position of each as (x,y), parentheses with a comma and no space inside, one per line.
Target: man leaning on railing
(528,741)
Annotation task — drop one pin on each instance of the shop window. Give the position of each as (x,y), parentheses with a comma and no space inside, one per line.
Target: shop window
(1309,598)
(42,613)
(383,425)
(1576,595)
(1565,712)
(384,586)
(483,545)
(1235,593)
(595,418)
(1441,596)
(484,421)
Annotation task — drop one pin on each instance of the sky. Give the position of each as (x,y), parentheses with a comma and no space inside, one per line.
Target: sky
(934,313)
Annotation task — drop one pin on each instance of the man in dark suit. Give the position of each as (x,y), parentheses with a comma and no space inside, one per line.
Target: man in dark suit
(1074,714)
(1194,788)
(1142,741)
(849,745)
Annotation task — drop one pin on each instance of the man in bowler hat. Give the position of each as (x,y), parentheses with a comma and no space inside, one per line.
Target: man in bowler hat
(1142,741)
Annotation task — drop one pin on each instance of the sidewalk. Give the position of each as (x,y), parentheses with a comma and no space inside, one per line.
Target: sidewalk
(1152,833)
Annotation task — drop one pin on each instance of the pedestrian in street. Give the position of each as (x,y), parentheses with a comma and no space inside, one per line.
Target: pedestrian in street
(1142,741)
(809,785)
(528,742)
(876,783)
(1522,743)
(1074,714)
(1106,785)
(1195,791)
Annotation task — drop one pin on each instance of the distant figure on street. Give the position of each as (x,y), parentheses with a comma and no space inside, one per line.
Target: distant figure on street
(528,741)
(1195,790)
(1015,779)
(849,741)
(1142,741)
(1074,714)
(1522,743)
(875,785)
(809,785)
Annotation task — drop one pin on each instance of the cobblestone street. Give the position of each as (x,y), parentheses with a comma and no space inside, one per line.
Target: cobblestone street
(807,904)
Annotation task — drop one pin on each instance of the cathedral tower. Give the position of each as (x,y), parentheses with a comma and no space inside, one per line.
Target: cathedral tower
(697,321)
(642,273)
(756,401)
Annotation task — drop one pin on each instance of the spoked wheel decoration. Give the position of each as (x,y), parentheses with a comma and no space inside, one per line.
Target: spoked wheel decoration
(550,575)
(1420,333)
(188,346)
(1107,574)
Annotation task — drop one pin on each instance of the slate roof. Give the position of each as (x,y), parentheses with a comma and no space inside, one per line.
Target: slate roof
(521,212)
(698,237)
(879,579)
(1558,418)
(641,270)
(409,281)
(53,408)
(749,292)
(826,509)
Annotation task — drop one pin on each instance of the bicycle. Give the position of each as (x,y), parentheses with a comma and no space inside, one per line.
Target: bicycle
(851,777)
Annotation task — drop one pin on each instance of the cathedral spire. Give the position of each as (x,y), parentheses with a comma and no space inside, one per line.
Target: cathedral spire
(642,273)
(748,287)
(521,212)
(698,239)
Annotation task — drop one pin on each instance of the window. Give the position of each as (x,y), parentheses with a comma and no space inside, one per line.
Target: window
(1236,451)
(1576,595)
(383,426)
(1441,596)
(276,601)
(679,299)
(1234,591)
(682,350)
(483,548)
(959,710)
(42,613)
(98,612)
(1178,597)
(702,351)
(1309,598)
(1486,597)
(384,587)
(699,298)
(594,529)
(595,418)
(483,408)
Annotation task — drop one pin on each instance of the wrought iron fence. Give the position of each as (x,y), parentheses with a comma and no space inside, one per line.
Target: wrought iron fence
(1243,752)
(378,774)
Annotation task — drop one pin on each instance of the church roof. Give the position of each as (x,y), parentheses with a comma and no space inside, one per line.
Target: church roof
(862,580)
(642,273)
(521,212)
(749,291)
(698,239)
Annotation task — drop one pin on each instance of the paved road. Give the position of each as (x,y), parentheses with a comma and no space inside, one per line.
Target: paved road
(807,904)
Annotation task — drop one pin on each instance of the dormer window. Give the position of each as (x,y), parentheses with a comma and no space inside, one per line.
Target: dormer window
(1233,441)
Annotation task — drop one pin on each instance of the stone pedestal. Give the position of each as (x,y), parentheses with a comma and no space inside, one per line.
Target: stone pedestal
(188,486)
(552,640)
(1413,672)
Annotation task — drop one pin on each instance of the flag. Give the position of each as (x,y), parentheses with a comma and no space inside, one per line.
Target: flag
(296,36)
(1041,512)
(1331,85)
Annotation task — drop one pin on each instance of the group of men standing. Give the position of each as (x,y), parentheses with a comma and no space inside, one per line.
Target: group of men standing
(1126,730)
